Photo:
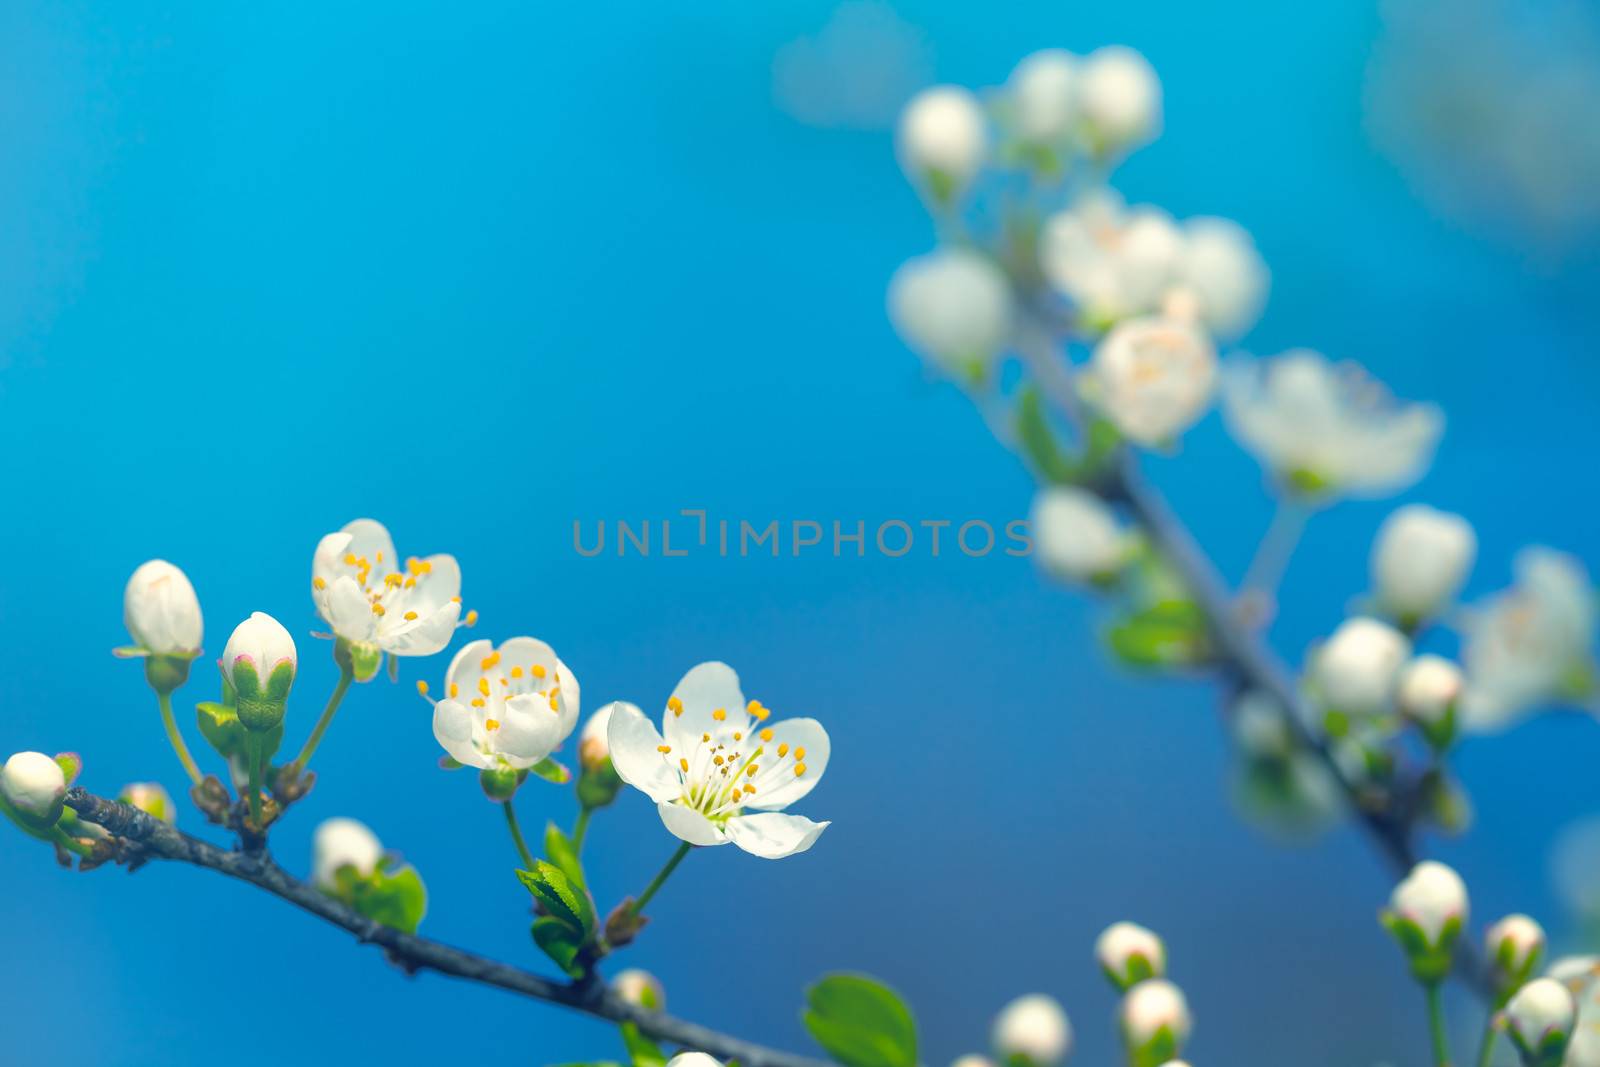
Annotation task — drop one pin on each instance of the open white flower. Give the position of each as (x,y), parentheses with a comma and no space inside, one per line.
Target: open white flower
(1033,1029)
(370,598)
(1420,561)
(1326,428)
(34,785)
(1111,261)
(342,842)
(1042,92)
(161,610)
(1224,275)
(1077,536)
(1540,1019)
(1431,896)
(942,139)
(717,772)
(952,306)
(1153,377)
(1530,643)
(1356,670)
(508,707)
(1120,97)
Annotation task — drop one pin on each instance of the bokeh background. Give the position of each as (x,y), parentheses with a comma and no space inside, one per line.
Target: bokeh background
(486,270)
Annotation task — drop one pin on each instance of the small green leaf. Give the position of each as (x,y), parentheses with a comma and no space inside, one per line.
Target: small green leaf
(398,899)
(219,725)
(560,942)
(641,1050)
(1038,442)
(1171,633)
(860,1022)
(559,848)
(551,771)
(561,898)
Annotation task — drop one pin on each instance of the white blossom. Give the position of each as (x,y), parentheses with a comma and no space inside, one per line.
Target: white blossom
(34,785)
(161,610)
(1111,261)
(693,1059)
(717,772)
(1120,97)
(1153,377)
(342,842)
(952,306)
(261,645)
(942,140)
(1076,535)
(1327,428)
(1043,94)
(1152,1006)
(1220,270)
(1034,1029)
(1129,953)
(506,707)
(1356,670)
(1420,561)
(1430,896)
(640,988)
(370,598)
(594,745)
(1429,689)
(1530,643)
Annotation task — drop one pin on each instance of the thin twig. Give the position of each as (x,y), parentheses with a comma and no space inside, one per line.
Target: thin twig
(155,839)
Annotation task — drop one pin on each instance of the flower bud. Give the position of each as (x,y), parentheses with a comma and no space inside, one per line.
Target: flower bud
(1153,377)
(1033,1031)
(259,663)
(1155,1021)
(942,140)
(1221,275)
(640,988)
(35,787)
(1076,534)
(594,750)
(339,843)
(952,307)
(972,1059)
(1427,911)
(1129,954)
(1420,560)
(1514,945)
(1540,1021)
(161,611)
(1043,96)
(1429,690)
(1356,669)
(150,798)
(693,1059)
(1120,98)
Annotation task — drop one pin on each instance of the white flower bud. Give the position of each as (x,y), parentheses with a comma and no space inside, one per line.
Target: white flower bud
(1076,535)
(34,785)
(1355,670)
(1514,945)
(253,663)
(593,746)
(1153,377)
(1043,90)
(1155,1016)
(640,988)
(150,798)
(1540,1019)
(942,140)
(1430,897)
(1429,688)
(340,843)
(952,306)
(1033,1028)
(1120,97)
(1420,561)
(693,1059)
(161,611)
(1129,953)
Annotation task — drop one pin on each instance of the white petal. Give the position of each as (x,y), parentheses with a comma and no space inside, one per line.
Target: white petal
(571,694)
(798,734)
(452,727)
(348,611)
(706,689)
(370,539)
(529,732)
(689,825)
(466,667)
(635,754)
(422,636)
(773,836)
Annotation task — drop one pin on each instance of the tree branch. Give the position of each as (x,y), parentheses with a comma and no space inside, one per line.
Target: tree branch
(156,840)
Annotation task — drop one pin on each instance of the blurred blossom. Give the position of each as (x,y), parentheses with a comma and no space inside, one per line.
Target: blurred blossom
(1581,976)
(942,140)
(1153,377)
(1326,428)
(1042,97)
(1355,671)
(856,72)
(1225,275)
(1420,560)
(1033,1031)
(1120,98)
(1488,108)
(341,842)
(1540,1019)
(1076,534)
(1531,643)
(953,307)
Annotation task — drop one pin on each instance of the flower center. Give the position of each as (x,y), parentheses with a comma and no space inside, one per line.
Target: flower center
(723,770)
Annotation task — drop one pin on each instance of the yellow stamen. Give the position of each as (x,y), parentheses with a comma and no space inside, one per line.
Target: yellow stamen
(516,672)
(483,686)
(477,702)
(799,769)
(377,609)
(454,689)
(490,660)
(350,559)
(491,724)
(683,763)
(411,616)
(783,750)
(537,671)
(392,578)
(766,735)
(422,687)
(720,714)
(663,749)
(756,711)
(319,584)
(800,752)
(675,705)
(472,617)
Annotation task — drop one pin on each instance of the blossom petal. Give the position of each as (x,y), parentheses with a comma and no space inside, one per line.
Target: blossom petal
(801,735)
(466,667)
(452,727)
(771,835)
(370,539)
(689,825)
(422,636)
(635,753)
(348,611)
(571,693)
(706,689)
(529,732)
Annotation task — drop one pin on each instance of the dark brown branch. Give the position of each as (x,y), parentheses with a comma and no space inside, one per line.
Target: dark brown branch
(156,840)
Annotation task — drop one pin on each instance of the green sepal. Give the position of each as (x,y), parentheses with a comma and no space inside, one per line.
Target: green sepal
(642,1051)
(561,852)
(560,942)
(561,898)
(860,1022)
(1430,962)
(44,829)
(551,771)
(1161,1048)
(130,652)
(500,783)
(450,763)
(71,765)
(166,673)
(361,659)
(220,726)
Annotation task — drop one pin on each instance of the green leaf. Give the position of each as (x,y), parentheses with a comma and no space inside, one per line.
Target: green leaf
(551,771)
(641,1050)
(560,942)
(860,1022)
(1038,442)
(398,899)
(219,725)
(563,854)
(1171,633)
(561,898)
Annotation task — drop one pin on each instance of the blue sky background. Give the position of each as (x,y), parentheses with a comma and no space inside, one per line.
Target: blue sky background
(482,272)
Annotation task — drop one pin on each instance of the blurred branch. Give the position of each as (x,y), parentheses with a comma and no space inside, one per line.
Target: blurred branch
(152,839)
